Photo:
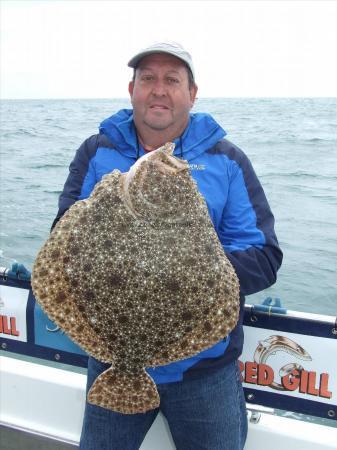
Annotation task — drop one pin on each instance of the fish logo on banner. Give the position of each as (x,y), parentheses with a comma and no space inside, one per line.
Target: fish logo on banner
(55,329)
(274,344)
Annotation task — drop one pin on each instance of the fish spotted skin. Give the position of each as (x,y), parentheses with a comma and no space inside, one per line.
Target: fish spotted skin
(54,291)
(143,274)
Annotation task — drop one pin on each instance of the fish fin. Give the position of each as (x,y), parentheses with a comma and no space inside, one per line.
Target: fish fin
(127,394)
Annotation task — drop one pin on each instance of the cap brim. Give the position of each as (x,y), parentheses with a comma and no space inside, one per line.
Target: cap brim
(136,59)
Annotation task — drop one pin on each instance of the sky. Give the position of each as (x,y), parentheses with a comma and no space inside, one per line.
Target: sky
(80,49)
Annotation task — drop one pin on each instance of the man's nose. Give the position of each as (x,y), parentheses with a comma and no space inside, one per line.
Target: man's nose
(159,88)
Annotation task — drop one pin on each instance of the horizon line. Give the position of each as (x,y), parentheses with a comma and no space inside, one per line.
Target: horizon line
(198,98)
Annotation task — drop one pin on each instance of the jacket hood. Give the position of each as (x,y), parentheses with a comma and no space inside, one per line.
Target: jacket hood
(201,133)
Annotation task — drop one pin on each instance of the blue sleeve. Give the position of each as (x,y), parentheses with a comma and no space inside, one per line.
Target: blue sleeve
(247,228)
(81,178)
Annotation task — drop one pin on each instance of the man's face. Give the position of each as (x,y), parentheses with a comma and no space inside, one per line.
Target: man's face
(160,95)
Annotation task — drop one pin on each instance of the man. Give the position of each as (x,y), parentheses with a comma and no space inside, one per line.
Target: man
(201,397)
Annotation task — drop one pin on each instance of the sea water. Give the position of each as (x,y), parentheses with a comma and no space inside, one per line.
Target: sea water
(292,144)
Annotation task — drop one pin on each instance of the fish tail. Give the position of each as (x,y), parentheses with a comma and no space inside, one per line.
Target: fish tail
(127,394)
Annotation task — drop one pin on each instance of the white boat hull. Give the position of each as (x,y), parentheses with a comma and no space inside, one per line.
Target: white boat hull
(49,402)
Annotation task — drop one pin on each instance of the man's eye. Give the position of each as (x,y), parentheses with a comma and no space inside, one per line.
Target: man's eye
(172,80)
(147,77)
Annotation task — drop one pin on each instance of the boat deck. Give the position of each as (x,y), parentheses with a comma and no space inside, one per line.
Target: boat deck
(12,439)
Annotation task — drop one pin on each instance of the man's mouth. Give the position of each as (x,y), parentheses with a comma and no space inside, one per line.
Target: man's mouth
(158,106)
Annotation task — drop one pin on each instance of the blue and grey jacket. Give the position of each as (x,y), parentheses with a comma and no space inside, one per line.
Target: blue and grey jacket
(236,202)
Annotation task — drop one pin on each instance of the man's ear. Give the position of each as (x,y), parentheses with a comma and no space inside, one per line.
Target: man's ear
(193,93)
(131,88)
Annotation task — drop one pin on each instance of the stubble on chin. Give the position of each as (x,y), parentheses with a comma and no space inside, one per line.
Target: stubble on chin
(158,123)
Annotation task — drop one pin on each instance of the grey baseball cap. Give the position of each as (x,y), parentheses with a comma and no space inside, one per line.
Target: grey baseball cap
(171,48)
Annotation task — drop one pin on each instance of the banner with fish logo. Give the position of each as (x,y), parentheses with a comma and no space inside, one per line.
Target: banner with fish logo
(287,362)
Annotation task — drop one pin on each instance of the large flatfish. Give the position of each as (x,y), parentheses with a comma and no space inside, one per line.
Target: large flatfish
(137,276)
